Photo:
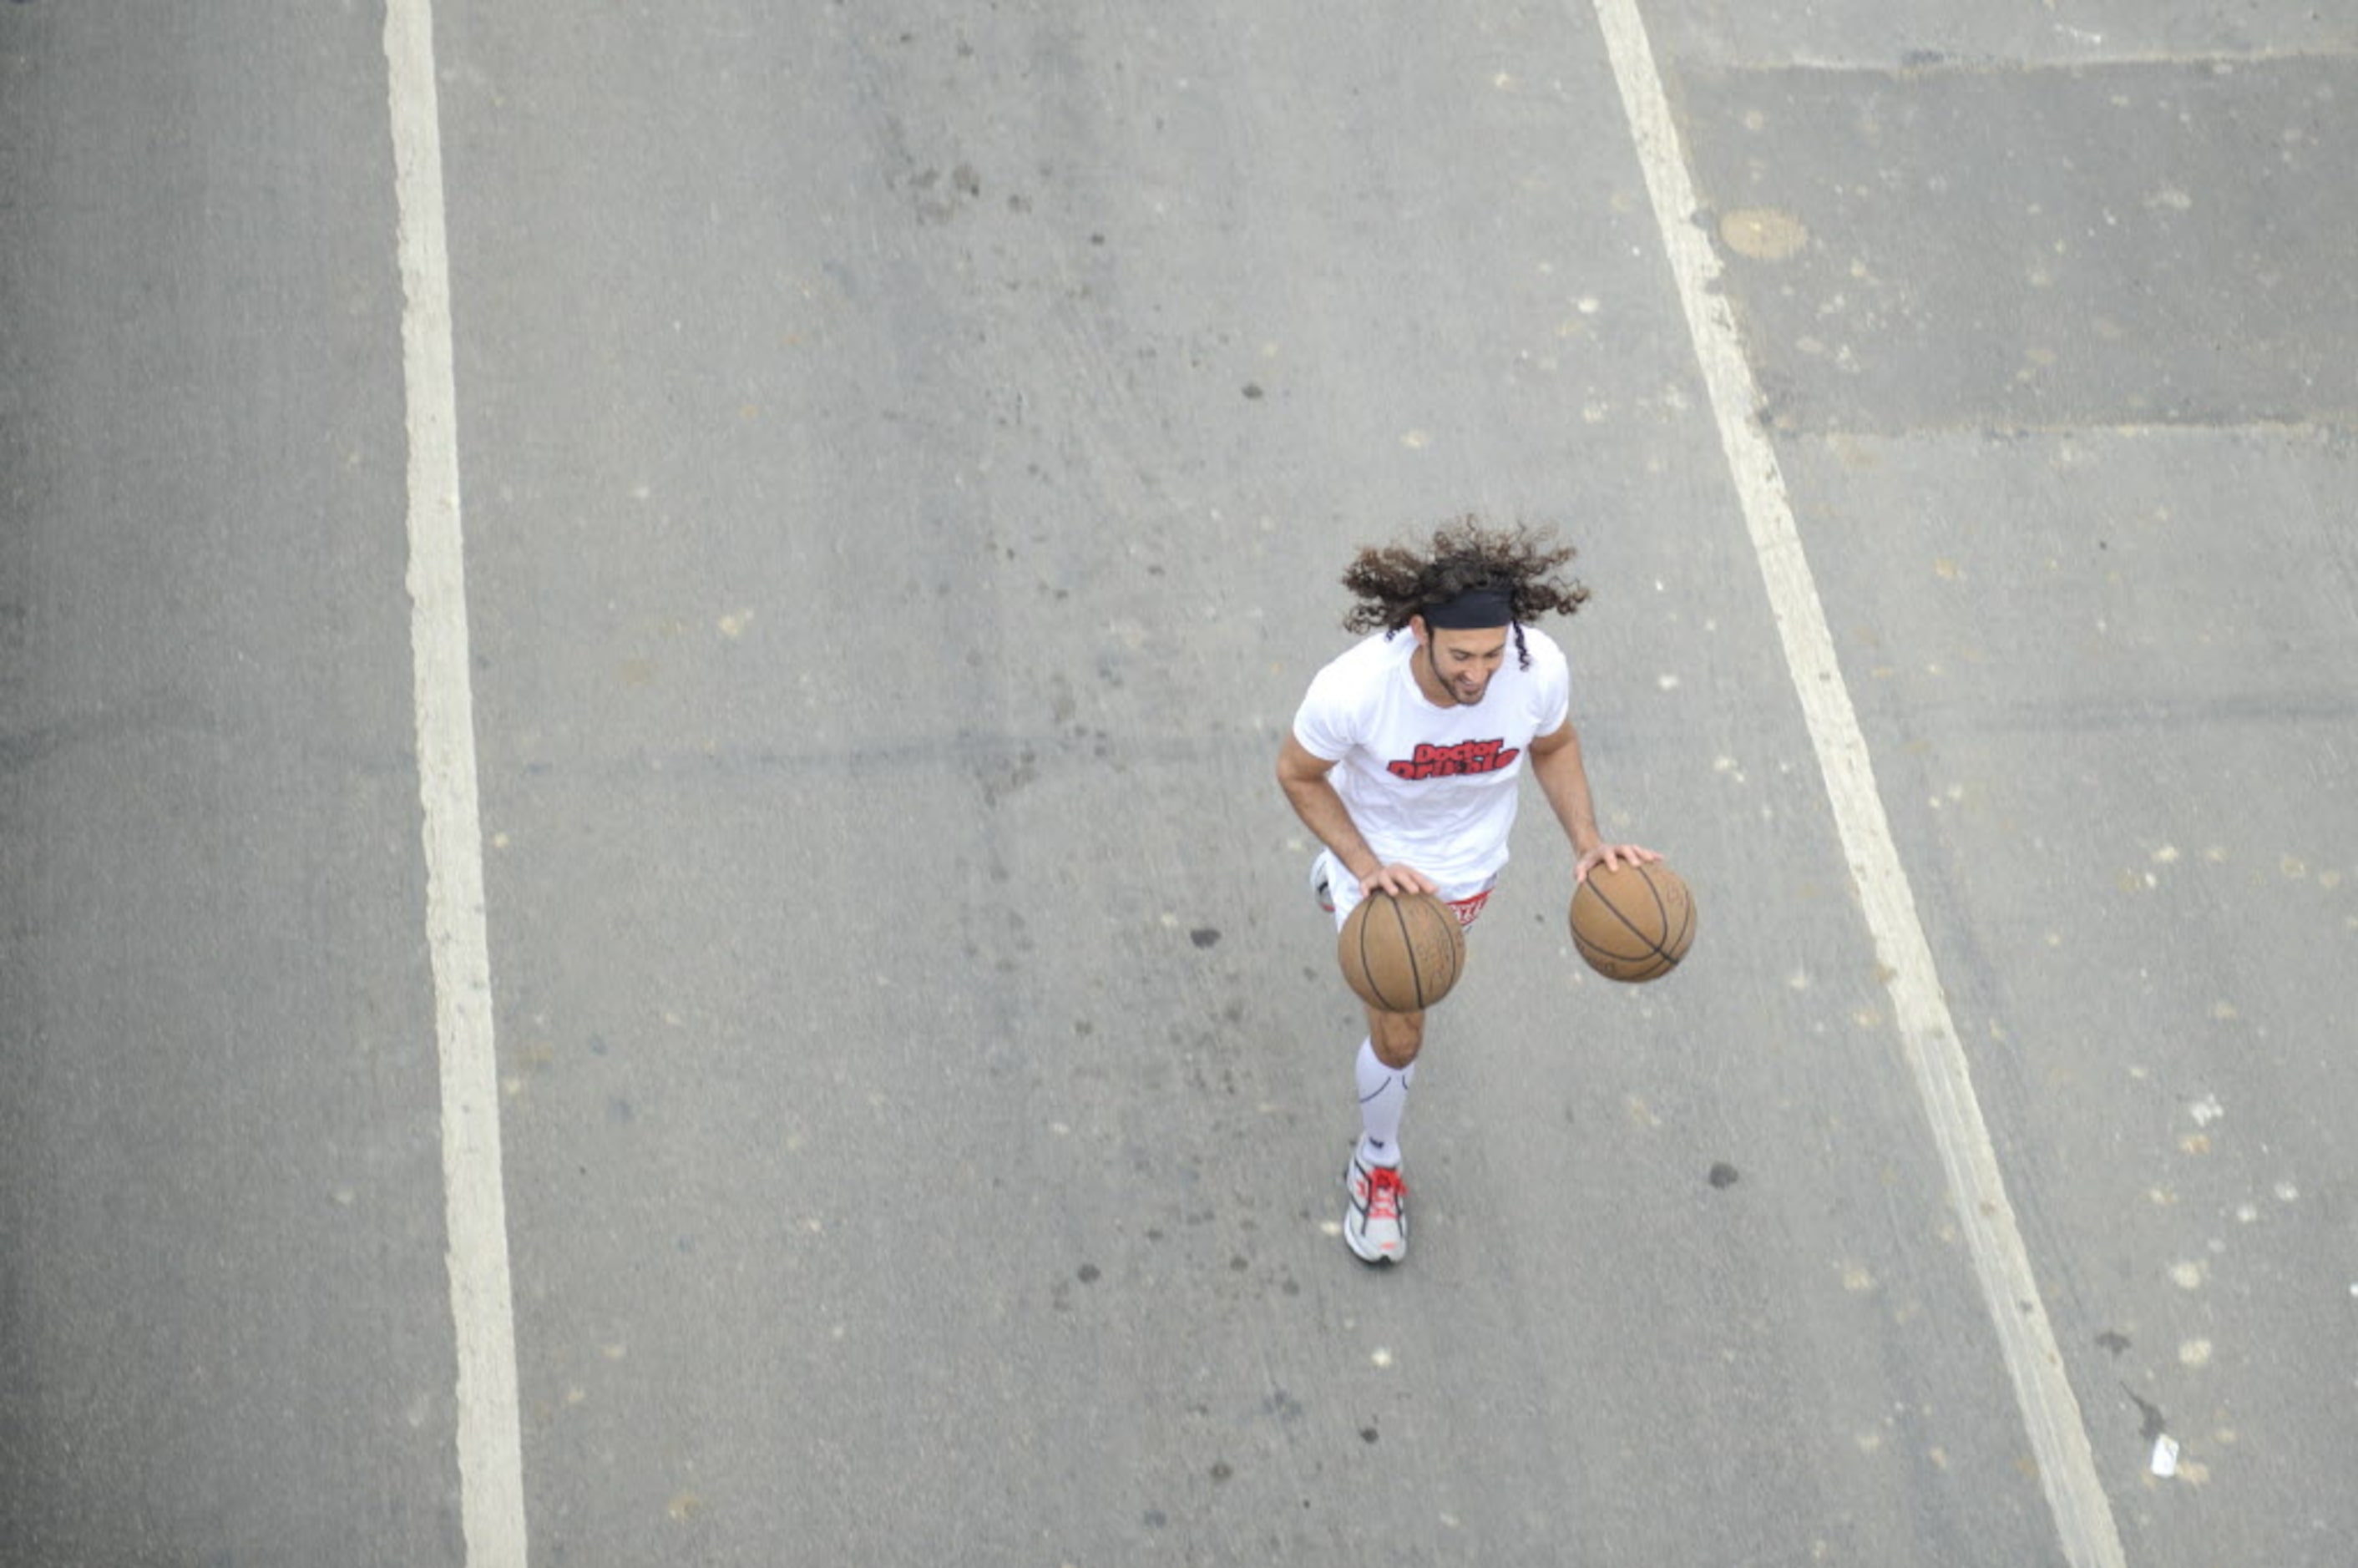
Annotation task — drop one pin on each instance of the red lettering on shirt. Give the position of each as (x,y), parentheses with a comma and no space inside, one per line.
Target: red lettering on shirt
(1455,761)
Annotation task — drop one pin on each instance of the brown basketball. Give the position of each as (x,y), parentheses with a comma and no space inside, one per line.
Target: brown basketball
(1402,955)
(1633,923)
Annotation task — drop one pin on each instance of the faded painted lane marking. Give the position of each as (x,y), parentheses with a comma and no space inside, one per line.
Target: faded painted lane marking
(482,1307)
(2051,1411)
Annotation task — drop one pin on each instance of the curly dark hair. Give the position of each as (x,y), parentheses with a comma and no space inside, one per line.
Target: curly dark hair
(1394,582)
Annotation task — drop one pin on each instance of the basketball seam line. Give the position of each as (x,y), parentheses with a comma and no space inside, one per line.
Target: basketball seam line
(1408,947)
(1652,946)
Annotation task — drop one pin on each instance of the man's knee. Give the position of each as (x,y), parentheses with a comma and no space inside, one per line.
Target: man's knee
(1396,1037)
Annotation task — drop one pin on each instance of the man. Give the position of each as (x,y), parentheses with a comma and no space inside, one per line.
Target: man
(1405,760)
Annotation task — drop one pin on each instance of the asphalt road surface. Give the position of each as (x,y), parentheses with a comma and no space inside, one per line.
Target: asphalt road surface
(906,453)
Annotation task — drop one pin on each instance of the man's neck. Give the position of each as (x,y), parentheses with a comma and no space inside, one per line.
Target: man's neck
(1420,666)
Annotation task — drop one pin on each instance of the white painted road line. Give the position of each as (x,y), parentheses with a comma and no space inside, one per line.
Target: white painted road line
(2050,1412)
(482,1309)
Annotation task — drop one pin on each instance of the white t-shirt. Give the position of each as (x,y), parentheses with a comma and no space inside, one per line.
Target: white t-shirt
(1432,787)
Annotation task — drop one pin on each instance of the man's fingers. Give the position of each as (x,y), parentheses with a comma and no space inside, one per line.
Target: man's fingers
(1612,856)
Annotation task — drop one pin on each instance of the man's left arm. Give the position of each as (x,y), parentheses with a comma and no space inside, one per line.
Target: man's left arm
(1564,779)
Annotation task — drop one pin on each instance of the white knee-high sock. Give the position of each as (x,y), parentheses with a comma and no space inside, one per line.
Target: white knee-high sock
(1384,1095)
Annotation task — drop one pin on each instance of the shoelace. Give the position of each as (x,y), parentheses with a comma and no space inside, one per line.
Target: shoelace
(1384,1190)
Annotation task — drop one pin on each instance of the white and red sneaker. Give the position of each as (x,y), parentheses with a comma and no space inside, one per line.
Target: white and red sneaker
(1375,1222)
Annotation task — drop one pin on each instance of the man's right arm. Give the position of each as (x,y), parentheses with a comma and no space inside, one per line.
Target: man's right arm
(1301,772)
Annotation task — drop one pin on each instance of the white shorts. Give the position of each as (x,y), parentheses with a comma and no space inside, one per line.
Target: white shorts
(1344,888)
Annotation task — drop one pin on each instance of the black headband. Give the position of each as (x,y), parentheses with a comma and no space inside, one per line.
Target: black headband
(1476,609)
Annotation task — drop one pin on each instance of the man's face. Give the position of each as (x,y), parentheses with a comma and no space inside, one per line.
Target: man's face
(1463,662)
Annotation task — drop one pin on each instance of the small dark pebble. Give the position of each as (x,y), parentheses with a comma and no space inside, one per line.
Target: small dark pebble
(1252,391)
(1221,1471)
(1367,1434)
(1089,1273)
(1203,935)
(1723,1175)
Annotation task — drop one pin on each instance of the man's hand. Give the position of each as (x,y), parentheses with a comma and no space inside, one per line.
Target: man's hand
(1398,880)
(1612,855)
